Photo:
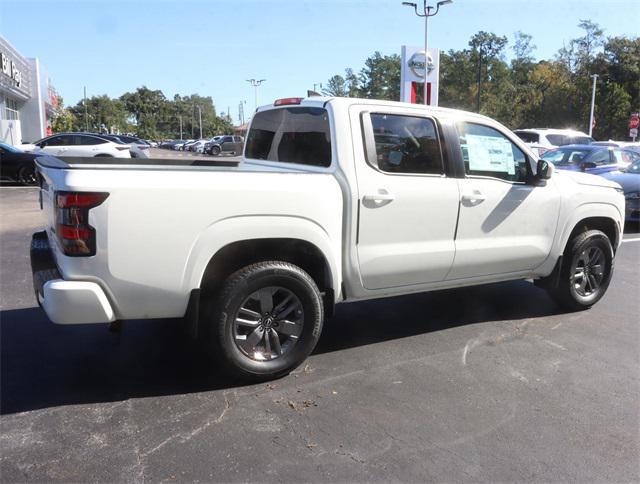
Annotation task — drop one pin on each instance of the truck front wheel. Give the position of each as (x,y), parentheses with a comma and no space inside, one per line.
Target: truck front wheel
(266,320)
(586,271)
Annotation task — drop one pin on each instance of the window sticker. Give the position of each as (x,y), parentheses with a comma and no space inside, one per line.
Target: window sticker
(489,153)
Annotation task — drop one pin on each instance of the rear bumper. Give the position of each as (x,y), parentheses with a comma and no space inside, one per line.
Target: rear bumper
(65,302)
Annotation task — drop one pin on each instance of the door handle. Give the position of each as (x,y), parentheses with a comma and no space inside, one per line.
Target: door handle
(474,198)
(379,198)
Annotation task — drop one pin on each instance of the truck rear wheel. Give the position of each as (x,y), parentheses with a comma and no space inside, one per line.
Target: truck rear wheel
(266,320)
(586,271)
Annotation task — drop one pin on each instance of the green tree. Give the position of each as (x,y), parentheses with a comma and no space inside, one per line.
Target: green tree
(336,86)
(146,107)
(380,77)
(62,119)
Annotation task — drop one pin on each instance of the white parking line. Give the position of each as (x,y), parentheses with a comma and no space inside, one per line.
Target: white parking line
(637,239)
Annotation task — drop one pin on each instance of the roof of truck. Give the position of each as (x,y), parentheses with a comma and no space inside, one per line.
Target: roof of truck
(321,101)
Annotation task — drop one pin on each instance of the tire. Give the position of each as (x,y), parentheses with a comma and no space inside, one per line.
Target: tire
(586,271)
(27,175)
(215,150)
(254,302)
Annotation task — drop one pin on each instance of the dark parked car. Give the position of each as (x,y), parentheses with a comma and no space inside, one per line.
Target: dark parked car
(16,165)
(590,158)
(227,144)
(629,180)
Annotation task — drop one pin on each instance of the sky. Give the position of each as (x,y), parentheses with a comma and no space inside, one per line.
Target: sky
(210,47)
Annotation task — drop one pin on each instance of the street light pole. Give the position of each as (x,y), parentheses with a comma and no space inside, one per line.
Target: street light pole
(200,119)
(593,102)
(86,116)
(255,83)
(426,13)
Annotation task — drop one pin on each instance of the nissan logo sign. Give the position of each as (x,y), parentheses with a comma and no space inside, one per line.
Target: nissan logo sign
(416,64)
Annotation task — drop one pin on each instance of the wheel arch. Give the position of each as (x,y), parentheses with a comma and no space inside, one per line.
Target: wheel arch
(599,216)
(238,241)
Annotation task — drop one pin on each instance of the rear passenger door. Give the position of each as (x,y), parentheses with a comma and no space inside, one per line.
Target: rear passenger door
(408,206)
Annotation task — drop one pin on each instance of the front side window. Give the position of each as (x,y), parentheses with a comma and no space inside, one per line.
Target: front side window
(406,144)
(291,135)
(487,152)
(62,140)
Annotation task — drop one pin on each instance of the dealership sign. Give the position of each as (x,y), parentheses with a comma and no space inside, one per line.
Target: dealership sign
(10,69)
(416,69)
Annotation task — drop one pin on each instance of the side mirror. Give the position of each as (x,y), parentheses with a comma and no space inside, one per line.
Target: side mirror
(544,169)
(587,165)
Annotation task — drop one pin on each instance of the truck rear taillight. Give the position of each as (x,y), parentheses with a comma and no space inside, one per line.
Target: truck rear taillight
(76,237)
(287,100)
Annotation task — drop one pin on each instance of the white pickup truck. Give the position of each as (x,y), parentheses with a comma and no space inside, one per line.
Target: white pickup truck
(336,200)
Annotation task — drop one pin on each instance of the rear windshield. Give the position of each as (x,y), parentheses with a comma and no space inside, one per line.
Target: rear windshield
(291,135)
(528,137)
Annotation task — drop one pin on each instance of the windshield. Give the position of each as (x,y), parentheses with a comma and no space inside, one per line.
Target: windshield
(566,156)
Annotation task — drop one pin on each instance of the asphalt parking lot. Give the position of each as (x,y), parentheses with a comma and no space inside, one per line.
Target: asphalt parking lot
(489,383)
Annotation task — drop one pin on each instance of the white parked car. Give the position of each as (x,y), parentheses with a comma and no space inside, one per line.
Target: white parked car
(551,138)
(336,200)
(79,144)
(198,146)
(139,147)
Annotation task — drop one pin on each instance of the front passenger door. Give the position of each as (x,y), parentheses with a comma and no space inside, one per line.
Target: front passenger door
(56,145)
(506,224)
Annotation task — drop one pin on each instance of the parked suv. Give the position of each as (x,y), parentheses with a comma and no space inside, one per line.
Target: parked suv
(79,144)
(551,138)
(226,144)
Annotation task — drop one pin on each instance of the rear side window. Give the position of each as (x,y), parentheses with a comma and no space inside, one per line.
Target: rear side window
(406,144)
(291,135)
(528,137)
(82,140)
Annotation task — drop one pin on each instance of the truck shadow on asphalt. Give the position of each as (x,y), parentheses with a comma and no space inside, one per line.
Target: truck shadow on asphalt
(45,365)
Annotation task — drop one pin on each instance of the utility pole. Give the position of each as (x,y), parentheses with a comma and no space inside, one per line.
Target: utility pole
(200,120)
(479,77)
(426,13)
(255,83)
(180,118)
(193,122)
(86,115)
(593,102)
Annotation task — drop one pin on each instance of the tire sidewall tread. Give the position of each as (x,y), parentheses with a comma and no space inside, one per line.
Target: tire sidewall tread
(235,290)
